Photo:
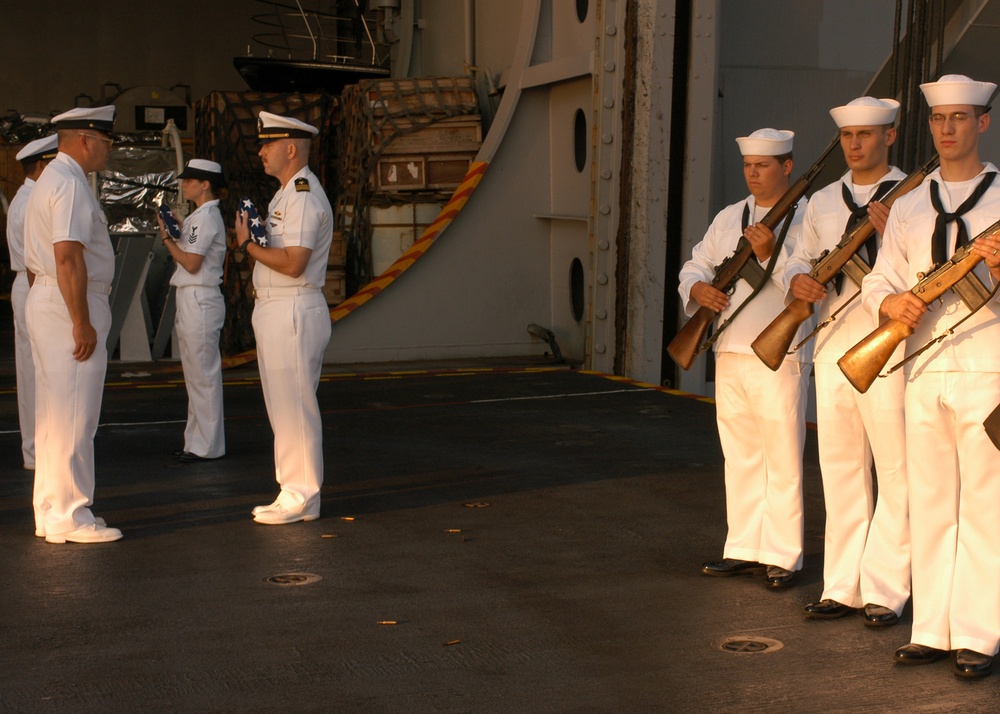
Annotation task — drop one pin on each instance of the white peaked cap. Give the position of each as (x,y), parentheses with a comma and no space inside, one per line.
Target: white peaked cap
(100,119)
(766,142)
(866,111)
(46,148)
(274,126)
(957,89)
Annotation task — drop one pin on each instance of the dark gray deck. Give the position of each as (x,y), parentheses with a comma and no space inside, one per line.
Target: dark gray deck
(535,534)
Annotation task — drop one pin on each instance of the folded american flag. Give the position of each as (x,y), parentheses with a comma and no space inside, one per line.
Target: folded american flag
(169,222)
(257,232)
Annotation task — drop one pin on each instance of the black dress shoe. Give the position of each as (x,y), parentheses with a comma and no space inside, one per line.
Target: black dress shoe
(188,457)
(879,616)
(919,654)
(972,665)
(827,610)
(778,577)
(728,566)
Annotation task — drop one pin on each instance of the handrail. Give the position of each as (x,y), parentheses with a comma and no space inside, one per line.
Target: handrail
(295,29)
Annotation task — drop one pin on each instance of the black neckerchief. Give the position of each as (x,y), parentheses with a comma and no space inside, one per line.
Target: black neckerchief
(939,241)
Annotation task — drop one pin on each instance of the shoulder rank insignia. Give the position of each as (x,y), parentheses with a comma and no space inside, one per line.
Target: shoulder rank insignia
(302,184)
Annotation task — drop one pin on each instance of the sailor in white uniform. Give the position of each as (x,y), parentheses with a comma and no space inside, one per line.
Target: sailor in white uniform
(760,413)
(67,247)
(201,310)
(954,491)
(291,319)
(866,560)
(34,157)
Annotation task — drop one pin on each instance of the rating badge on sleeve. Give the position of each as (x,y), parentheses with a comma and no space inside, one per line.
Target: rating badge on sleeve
(257,232)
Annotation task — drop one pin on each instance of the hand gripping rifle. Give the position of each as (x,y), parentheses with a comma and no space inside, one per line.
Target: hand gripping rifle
(862,363)
(689,342)
(773,343)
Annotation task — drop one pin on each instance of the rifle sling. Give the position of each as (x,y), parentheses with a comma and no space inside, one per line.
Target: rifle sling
(764,277)
(855,269)
(833,316)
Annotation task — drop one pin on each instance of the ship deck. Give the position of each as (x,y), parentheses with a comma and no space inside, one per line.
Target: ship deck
(495,537)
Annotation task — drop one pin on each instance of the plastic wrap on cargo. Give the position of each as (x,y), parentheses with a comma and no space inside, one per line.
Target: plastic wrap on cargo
(136,181)
(16,128)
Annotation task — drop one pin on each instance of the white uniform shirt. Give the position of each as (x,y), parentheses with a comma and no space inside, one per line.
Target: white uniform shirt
(299,215)
(717,245)
(63,207)
(823,227)
(203,234)
(15,225)
(906,251)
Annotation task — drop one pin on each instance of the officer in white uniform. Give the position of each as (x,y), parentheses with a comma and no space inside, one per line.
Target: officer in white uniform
(201,309)
(866,558)
(760,413)
(67,247)
(950,388)
(34,157)
(291,319)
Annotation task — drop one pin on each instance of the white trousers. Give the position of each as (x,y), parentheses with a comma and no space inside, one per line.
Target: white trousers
(954,510)
(761,419)
(292,333)
(67,407)
(201,312)
(25,367)
(867,544)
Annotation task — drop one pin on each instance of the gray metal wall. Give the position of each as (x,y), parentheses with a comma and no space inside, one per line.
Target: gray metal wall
(53,50)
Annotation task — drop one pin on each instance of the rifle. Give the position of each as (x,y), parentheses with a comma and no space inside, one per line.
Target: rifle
(773,343)
(862,363)
(689,341)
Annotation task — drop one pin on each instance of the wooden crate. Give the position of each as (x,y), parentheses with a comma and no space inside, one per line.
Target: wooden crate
(11,173)
(335,288)
(338,251)
(419,173)
(426,95)
(450,135)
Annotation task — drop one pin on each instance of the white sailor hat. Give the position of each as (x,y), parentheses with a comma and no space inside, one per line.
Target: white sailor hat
(204,170)
(766,142)
(958,89)
(40,149)
(100,119)
(866,111)
(272,126)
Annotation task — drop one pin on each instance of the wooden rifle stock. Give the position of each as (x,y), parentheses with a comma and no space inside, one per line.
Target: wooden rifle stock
(862,363)
(775,340)
(689,340)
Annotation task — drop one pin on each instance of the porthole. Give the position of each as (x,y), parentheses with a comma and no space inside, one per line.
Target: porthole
(580,140)
(582,7)
(576,288)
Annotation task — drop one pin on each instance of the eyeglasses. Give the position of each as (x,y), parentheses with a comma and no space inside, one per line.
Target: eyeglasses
(111,142)
(954,118)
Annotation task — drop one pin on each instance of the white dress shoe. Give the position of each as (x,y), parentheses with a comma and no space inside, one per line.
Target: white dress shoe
(92,533)
(268,507)
(276,515)
(40,532)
